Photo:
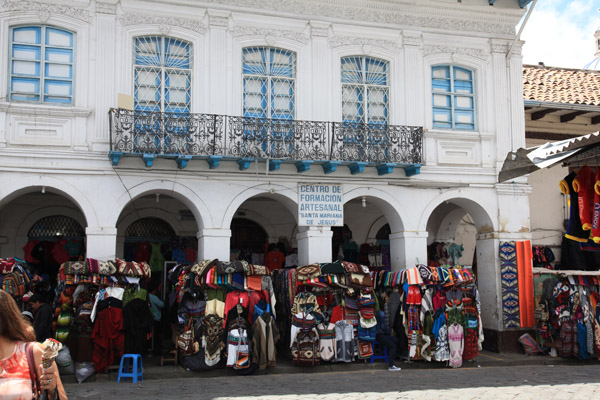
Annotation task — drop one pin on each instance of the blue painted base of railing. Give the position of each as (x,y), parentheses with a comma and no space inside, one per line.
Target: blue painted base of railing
(214,162)
(387,168)
(148,159)
(412,170)
(182,161)
(357,167)
(330,166)
(303,166)
(244,163)
(274,165)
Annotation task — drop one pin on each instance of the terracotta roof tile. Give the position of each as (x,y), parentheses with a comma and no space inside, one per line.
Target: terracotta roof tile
(561,85)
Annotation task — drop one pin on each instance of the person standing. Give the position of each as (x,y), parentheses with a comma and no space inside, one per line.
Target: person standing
(15,333)
(42,317)
(383,335)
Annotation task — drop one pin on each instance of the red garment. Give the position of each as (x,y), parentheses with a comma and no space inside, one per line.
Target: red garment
(584,186)
(109,341)
(274,260)
(596,212)
(234,298)
(471,349)
(59,252)
(337,314)
(143,252)
(28,248)
(191,254)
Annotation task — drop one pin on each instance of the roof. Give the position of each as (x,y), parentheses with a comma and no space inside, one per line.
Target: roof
(561,85)
(524,161)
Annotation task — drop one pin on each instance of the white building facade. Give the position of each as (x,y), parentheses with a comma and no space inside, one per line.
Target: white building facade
(228,105)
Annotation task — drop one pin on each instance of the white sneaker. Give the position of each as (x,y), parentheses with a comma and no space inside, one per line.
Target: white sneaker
(394,368)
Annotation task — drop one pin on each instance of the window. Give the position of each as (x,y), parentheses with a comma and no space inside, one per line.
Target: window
(365,90)
(162,74)
(269,83)
(41,65)
(453,98)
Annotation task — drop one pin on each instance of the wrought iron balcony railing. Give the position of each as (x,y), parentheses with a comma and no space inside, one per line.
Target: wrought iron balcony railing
(177,134)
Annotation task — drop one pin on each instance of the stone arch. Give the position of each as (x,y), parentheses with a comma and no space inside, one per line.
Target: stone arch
(284,195)
(394,212)
(145,213)
(475,205)
(375,227)
(260,220)
(167,187)
(24,185)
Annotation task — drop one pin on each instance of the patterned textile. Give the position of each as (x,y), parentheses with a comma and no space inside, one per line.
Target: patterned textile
(308,272)
(568,337)
(471,346)
(510,285)
(326,341)
(229,267)
(141,269)
(442,350)
(257,270)
(212,341)
(456,345)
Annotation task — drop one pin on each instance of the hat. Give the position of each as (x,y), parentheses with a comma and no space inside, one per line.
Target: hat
(368,323)
(27,314)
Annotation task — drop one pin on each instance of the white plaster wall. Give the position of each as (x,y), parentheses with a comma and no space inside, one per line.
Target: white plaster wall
(65,148)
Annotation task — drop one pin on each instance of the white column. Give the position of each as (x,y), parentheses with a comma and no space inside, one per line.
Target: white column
(517,109)
(314,245)
(413,67)
(408,249)
(218,22)
(489,281)
(101,242)
(214,243)
(321,61)
(501,99)
(101,90)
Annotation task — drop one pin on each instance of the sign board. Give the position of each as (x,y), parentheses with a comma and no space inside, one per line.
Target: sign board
(320,204)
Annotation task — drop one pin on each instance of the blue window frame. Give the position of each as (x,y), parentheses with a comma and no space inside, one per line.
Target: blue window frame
(453,98)
(269,79)
(162,74)
(365,90)
(41,64)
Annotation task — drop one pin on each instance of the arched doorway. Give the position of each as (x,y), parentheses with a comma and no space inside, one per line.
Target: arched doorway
(247,237)
(261,224)
(44,227)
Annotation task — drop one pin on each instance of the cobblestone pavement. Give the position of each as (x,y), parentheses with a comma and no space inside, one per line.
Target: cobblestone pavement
(542,382)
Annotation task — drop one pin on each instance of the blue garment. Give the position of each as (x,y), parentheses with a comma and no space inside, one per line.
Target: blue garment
(582,340)
(439,322)
(382,325)
(156,306)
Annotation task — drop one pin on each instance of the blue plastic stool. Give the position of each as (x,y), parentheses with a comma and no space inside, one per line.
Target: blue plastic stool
(136,371)
(382,354)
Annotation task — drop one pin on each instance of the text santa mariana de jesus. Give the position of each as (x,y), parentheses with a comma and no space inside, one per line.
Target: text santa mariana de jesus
(320,204)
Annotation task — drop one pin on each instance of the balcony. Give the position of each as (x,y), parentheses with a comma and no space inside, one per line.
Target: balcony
(215,138)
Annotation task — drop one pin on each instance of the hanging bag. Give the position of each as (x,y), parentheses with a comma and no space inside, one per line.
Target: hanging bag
(242,358)
(35,381)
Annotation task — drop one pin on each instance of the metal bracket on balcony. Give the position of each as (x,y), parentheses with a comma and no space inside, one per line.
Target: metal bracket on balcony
(330,166)
(387,168)
(213,161)
(182,161)
(357,167)
(303,166)
(412,170)
(148,159)
(115,157)
(274,165)
(244,163)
